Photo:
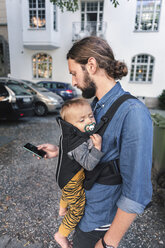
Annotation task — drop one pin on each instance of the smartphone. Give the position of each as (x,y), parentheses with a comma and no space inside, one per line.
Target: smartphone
(31,148)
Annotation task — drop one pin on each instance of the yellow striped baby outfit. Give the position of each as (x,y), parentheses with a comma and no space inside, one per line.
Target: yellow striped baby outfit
(73,198)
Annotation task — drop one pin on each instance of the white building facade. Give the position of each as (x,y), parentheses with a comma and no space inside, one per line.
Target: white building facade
(40,36)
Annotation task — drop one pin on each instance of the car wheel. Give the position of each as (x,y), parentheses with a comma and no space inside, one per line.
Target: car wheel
(40,109)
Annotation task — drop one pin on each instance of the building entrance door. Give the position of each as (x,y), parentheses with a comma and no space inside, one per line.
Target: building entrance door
(4,57)
(91,17)
(2,64)
(92,23)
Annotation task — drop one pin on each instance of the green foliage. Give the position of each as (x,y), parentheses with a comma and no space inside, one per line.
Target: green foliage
(161,99)
(72,5)
(115,3)
(69,5)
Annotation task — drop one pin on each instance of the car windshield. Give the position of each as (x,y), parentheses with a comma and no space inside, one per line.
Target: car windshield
(18,89)
(37,87)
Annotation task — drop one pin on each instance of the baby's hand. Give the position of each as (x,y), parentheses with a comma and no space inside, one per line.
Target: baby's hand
(97,141)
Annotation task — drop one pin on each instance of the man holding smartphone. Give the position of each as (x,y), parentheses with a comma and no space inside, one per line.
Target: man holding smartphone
(110,209)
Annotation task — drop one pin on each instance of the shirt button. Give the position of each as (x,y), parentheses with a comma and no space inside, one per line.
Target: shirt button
(102,106)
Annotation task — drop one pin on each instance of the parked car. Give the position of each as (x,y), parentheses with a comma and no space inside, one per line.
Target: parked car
(65,90)
(15,101)
(44,100)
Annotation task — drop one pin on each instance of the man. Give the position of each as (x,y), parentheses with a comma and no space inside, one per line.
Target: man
(110,209)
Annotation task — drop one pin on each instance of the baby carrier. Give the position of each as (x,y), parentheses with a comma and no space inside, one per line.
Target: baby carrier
(107,173)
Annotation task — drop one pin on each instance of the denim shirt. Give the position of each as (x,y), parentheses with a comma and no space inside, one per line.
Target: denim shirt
(128,138)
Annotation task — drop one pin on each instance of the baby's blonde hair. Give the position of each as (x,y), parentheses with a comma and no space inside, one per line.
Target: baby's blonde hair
(73,103)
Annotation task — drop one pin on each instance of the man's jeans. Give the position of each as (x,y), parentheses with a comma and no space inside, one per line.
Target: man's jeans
(86,239)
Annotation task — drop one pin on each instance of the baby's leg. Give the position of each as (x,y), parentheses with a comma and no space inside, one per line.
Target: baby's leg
(62,211)
(69,222)
(73,193)
(76,202)
(62,240)
(63,207)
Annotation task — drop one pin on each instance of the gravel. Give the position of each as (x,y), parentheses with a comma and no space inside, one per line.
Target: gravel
(29,198)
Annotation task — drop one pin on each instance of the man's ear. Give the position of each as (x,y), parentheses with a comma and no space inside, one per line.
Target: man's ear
(92,65)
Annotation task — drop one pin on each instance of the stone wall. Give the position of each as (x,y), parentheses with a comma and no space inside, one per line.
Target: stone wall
(151,102)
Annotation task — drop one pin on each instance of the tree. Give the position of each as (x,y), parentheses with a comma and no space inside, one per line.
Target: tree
(72,5)
(161,99)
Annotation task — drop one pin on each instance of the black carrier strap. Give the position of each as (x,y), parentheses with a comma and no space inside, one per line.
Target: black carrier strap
(107,173)
(101,127)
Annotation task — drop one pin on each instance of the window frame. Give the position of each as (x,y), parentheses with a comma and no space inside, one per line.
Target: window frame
(85,11)
(37,9)
(148,66)
(141,12)
(49,63)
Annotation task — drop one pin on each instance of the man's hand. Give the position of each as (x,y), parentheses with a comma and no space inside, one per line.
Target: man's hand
(97,141)
(52,151)
(119,226)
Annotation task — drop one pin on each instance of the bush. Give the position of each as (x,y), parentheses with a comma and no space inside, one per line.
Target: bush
(161,99)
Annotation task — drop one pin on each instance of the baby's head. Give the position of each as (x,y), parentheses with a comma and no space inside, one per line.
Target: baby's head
(78,112)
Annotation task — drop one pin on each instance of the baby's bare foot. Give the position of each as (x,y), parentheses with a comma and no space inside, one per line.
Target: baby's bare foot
(62,241)
(62,211)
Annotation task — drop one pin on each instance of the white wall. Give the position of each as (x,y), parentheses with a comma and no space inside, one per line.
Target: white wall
(120,35)
(21,58)
(126,43)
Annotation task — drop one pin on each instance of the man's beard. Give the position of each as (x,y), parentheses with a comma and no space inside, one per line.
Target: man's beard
(89,90)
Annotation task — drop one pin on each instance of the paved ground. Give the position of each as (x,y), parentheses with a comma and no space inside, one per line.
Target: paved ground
(29,196)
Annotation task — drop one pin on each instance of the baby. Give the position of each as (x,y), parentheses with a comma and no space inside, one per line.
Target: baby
(77,112)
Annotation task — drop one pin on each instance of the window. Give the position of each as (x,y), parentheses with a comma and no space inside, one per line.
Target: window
(147,15)
(42,84)
(17,88)
(54,86)
(60,86)
(47,85)
(91,16)
(142,68)
(55,17)
(28,89)
(37,14)
(42,66)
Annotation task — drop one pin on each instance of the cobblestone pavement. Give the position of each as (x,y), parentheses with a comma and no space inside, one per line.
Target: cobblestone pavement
(29,195)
